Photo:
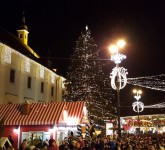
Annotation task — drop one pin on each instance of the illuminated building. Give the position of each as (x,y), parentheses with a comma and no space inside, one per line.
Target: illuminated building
(23,77)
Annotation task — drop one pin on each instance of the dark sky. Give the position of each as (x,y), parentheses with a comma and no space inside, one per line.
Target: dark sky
(55,25)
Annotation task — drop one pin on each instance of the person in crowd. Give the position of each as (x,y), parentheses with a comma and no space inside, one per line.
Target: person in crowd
(99,143)
(45,144)
(23,145)
(52,145)
(64,145)
(86,146)
(70,140)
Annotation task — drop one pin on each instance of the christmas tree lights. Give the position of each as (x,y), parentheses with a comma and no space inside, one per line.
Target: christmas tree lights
(86,80)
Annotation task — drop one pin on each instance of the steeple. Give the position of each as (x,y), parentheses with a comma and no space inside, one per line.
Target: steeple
(23,31)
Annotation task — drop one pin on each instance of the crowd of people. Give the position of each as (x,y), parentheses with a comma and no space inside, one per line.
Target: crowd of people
(127,142)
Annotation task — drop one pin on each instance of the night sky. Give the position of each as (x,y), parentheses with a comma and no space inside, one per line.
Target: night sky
(54,27)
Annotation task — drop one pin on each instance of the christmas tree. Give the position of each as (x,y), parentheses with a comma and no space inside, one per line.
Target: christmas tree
(86,80)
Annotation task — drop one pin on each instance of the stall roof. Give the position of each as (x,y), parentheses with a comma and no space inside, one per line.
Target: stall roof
(40,113)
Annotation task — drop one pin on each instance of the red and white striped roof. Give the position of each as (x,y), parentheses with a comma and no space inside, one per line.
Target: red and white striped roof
(41,113)
(75,109)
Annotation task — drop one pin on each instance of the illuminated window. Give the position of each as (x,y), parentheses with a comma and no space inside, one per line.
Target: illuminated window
(52,78)
(42,87)
(7,55)
(12,75)
(52,91)
(27,65)
(29,80)
(20,35)
(41,72)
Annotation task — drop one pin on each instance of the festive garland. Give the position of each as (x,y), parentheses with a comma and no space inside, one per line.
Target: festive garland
(156,82)
(160,105)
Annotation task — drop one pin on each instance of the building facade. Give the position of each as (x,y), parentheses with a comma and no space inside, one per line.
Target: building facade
(22,75)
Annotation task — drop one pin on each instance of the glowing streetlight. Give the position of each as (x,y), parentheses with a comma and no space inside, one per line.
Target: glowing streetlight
(117,57)
(113,49)
(138,106)
(121,43)
(138,94)
(118,75)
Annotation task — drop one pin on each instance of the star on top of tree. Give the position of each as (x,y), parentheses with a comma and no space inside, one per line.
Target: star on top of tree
(86,27)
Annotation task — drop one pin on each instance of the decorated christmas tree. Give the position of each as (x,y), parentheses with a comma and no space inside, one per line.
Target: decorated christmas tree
(86,80)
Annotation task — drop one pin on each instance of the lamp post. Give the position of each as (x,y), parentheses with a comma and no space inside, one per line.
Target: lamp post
(138,106)
(118,75)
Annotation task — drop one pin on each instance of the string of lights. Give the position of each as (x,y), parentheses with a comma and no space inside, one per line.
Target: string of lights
(156,82)
(160,105)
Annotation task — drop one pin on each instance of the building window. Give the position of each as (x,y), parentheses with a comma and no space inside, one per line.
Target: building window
(42,87)
(27,65)
(12,75)
(6,55)
(41,72)
(52,78)
(29,80)
(52,91)
(20,36)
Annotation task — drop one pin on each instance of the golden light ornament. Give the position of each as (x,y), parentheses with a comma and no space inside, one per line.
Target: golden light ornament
(98,132)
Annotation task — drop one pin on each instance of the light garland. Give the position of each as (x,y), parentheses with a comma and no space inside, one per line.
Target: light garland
(160,105)
(156,82)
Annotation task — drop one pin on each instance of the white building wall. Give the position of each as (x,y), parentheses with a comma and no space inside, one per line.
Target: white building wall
(60,89)
(24,67)
(2,73)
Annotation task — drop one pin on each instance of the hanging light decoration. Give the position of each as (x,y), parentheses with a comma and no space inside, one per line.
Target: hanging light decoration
(121,74)
(138,106)
(156,82)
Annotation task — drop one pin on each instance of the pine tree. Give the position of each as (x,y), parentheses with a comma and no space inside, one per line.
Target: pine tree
(87,82)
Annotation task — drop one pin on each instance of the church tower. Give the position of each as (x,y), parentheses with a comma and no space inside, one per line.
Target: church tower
(23,31)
